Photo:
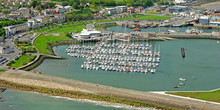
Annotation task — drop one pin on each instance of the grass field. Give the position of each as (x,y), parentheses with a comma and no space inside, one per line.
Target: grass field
(152,17)
(2,70)
(42,41)
(210,96)
(21,61)
(152,13)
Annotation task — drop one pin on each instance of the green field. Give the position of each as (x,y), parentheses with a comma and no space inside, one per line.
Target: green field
(21,61)
(152,13)
(152,17)
(2,70)
(41,43)
(210,96)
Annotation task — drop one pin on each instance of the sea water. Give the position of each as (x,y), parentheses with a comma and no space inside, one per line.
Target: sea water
(200,68)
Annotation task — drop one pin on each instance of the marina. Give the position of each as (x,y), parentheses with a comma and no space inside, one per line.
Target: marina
(171,67)
(121,57)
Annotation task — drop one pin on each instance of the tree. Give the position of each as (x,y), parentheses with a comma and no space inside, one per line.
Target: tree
(35,3)
(128,4)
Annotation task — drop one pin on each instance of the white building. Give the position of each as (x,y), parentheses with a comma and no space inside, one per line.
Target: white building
(180,1)
(10,30)
(85,34)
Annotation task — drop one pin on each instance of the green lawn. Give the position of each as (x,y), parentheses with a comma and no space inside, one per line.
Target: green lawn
(21,61)
(152,17)
(41,42)
(152,13)
(210,96)
(2,70)
(75,29)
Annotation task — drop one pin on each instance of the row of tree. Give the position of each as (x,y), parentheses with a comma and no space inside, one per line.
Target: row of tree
(76,3)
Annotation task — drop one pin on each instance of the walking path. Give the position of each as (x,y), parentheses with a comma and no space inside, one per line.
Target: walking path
(41,80)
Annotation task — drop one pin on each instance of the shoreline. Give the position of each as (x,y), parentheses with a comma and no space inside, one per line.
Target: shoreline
(42,84)
(56,86)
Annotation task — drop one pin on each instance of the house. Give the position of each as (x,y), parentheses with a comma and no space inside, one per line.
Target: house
(131,10)
(15,14)
(53,20)
(68,8)
(121,9)
(60,17)
(32,23)
(179,1)
(110,11)
(47,12)
(26,13)
(204,20)
(2,16)
(139,9)
(59,9)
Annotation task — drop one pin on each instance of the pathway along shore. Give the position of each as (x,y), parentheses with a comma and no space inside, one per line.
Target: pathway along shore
(56,83)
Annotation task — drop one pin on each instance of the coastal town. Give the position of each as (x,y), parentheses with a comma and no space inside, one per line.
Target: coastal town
(96,44)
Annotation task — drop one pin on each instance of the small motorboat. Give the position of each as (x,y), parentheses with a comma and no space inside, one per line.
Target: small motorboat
(175,86)
(182,79)
(137,29)
(181,84)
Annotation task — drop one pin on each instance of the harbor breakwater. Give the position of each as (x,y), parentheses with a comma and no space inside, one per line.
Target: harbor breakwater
(57,86)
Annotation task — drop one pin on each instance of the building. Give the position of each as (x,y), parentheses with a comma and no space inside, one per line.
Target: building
(215,20)
(2,16)
(177,9)
(32,23)
(60,17)
(204,20)
(85,34)
(53,20)
(214,23)
(179,1)
(11,30)
(108,11)
(68,8)
(47,12)
(139,9)
(26,13)
(131,10)
(121,9)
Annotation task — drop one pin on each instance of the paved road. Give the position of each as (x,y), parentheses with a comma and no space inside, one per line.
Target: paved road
(16,52)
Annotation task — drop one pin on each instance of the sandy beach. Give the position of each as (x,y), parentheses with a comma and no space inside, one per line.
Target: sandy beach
(46,81)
